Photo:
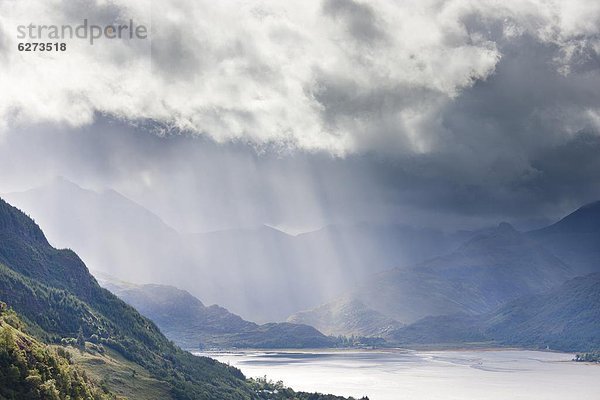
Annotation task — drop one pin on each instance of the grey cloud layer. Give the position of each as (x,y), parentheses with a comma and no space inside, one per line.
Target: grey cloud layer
(341,76)
(463,109)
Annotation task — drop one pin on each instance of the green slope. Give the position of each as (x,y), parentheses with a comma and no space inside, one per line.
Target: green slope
(564,318)
(54,291)
(32,370)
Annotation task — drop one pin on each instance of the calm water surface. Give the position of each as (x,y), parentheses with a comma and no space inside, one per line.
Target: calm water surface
(424,375)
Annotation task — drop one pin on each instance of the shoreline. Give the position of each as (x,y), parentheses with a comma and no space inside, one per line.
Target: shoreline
(375,350)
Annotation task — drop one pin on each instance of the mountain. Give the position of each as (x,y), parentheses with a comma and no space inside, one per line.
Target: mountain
(59,302)
(53,290)
(118,236)
(488,270)
(378,246)
(108,230)
(564,318)
(575,239)
(190,324)
(244,261)
(241,263)
(347,317)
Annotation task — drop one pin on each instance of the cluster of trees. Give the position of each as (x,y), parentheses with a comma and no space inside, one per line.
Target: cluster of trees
(269,390)
(32,370)
(57,316)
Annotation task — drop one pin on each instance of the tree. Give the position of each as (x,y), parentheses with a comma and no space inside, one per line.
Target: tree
(80,338)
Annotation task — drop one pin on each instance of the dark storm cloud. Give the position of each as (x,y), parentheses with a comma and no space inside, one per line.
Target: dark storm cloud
(196,185)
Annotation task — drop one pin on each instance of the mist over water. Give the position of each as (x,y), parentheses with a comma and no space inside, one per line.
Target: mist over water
(426,375)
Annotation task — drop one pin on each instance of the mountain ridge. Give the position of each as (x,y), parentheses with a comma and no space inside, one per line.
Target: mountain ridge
(565,318)
(190,324)
(111,234)
(55,292)
(38,282)
(488,270)
(575,238)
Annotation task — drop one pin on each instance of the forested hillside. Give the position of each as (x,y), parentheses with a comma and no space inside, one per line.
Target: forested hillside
(61,303)
(35,371)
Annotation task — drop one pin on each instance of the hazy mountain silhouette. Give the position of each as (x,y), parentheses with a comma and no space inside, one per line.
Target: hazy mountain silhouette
(565,318)
(575,238)
(230,267)
(488,270)
(190,324)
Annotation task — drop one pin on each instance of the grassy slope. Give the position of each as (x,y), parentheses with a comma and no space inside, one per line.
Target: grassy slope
(125,379)
(32,370)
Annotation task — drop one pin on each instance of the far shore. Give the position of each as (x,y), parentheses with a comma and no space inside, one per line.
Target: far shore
(424,348)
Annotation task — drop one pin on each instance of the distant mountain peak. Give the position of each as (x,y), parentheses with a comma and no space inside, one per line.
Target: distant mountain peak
(500,237)
(60,182)
(59,179)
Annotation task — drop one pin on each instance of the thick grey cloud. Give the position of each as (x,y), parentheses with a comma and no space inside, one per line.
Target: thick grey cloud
(251,71)
(440,112)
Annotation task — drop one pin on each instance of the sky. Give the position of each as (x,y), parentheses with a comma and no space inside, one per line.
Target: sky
(450,114)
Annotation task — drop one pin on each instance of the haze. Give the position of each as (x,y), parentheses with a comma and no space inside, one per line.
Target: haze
(422,118)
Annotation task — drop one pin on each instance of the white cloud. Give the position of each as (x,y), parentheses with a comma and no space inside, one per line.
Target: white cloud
(338,75)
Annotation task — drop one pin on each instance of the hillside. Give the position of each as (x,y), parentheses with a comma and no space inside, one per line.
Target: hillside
(192,325)
(58,297)
(575,239)
(33,370)
(487,271)
(61,303)
(564,318)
